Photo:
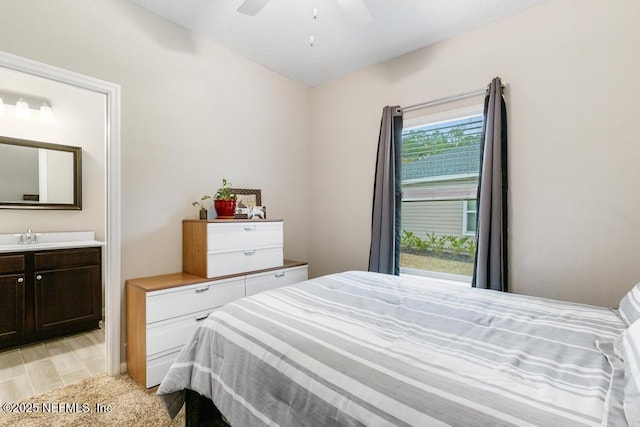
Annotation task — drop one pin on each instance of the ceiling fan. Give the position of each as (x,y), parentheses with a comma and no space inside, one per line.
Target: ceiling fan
(356,10)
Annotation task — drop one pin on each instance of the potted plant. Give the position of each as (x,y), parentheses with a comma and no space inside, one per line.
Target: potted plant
(203,210)
(225,201)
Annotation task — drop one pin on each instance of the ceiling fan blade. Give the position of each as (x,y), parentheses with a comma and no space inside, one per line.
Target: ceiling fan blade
(357,11)
(252,7)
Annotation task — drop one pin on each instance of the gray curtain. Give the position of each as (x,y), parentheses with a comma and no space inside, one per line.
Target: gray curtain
(490,269)
(384,255)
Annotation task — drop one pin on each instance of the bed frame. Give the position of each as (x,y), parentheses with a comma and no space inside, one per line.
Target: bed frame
(201,412)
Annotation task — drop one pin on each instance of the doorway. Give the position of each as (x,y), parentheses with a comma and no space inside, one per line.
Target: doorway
(112,260)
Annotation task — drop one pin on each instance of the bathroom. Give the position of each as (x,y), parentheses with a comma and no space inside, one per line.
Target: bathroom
(69,137)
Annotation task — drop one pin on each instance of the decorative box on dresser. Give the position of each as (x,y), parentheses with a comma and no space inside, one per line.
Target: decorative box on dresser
(222,261)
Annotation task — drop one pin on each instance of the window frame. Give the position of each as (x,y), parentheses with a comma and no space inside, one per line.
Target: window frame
(465,220)
(461,193)
(460,278)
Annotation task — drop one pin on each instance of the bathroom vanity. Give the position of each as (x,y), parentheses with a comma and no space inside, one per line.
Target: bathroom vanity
(49,288)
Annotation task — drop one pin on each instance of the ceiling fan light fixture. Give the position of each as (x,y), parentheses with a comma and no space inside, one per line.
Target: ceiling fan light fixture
(356,11)
(252,7)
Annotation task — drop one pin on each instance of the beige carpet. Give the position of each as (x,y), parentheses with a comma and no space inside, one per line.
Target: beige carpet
(129,405)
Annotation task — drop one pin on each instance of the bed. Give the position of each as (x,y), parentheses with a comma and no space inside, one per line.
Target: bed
(361,348)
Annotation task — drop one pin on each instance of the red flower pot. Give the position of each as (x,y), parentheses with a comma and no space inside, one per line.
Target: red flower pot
(225,208)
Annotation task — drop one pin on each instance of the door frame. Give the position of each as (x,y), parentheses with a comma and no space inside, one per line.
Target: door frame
(113,286)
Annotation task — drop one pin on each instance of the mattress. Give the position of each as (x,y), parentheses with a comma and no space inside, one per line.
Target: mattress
(361,348)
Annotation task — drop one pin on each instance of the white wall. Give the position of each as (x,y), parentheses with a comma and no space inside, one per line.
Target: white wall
(193,112)
(571,69)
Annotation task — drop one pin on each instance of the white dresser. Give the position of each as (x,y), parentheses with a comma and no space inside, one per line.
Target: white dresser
(214,248)
(222,260)
(163,311)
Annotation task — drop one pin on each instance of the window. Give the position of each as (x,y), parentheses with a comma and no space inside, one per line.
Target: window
(440,165)
(469,215)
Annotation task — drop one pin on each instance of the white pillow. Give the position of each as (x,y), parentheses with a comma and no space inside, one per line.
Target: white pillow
(630,305)
(627,346)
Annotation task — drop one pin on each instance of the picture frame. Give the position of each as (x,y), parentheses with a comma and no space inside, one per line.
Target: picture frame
(246,197)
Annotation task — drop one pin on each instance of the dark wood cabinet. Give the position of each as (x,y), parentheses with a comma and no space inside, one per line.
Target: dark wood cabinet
(11,308)
(46,294)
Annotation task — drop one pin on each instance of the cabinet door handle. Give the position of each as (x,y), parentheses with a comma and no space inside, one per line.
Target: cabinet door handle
(38,277)
(249,253)
(200,319)
(201,290)
(279,275)
(20,279)
(249,228)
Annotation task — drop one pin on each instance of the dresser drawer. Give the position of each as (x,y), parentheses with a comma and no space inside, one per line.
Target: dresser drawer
(162,305)
(239,236)
(157,367)
(223,264)
(172,334)
(275,279)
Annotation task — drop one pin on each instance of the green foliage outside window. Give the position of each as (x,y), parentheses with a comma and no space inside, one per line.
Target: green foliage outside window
(463,246)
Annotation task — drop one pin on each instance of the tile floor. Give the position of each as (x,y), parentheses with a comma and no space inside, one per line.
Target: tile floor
(40,367)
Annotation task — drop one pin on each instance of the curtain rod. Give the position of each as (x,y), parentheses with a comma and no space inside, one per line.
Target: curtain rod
(458,96)
(462,95)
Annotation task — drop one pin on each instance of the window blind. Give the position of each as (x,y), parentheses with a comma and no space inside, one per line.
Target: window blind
(440,151)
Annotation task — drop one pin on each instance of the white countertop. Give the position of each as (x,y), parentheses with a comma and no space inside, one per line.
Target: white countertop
(64,240)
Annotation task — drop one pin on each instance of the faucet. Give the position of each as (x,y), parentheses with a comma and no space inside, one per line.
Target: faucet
(28,238)
(32,237)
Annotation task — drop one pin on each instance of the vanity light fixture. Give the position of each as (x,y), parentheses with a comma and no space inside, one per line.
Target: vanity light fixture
(22,109)
(24,104)
(46,114)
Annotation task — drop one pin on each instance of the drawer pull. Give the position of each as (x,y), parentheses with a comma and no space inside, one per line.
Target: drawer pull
(38,277)
(201,290)
(200,319)
(20,279)
(249,253)
(279,275)
(249,228)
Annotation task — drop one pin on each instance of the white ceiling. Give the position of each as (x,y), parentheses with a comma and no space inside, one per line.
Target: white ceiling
(278,37)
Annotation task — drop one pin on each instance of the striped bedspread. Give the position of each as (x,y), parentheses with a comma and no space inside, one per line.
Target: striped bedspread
(360,348)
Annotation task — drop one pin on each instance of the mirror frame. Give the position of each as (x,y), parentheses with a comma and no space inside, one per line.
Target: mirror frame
(77,175)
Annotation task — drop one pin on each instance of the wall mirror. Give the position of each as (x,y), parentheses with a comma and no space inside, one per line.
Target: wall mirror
(39,175)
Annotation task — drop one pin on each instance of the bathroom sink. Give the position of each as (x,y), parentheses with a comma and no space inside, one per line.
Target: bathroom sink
(64,240)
